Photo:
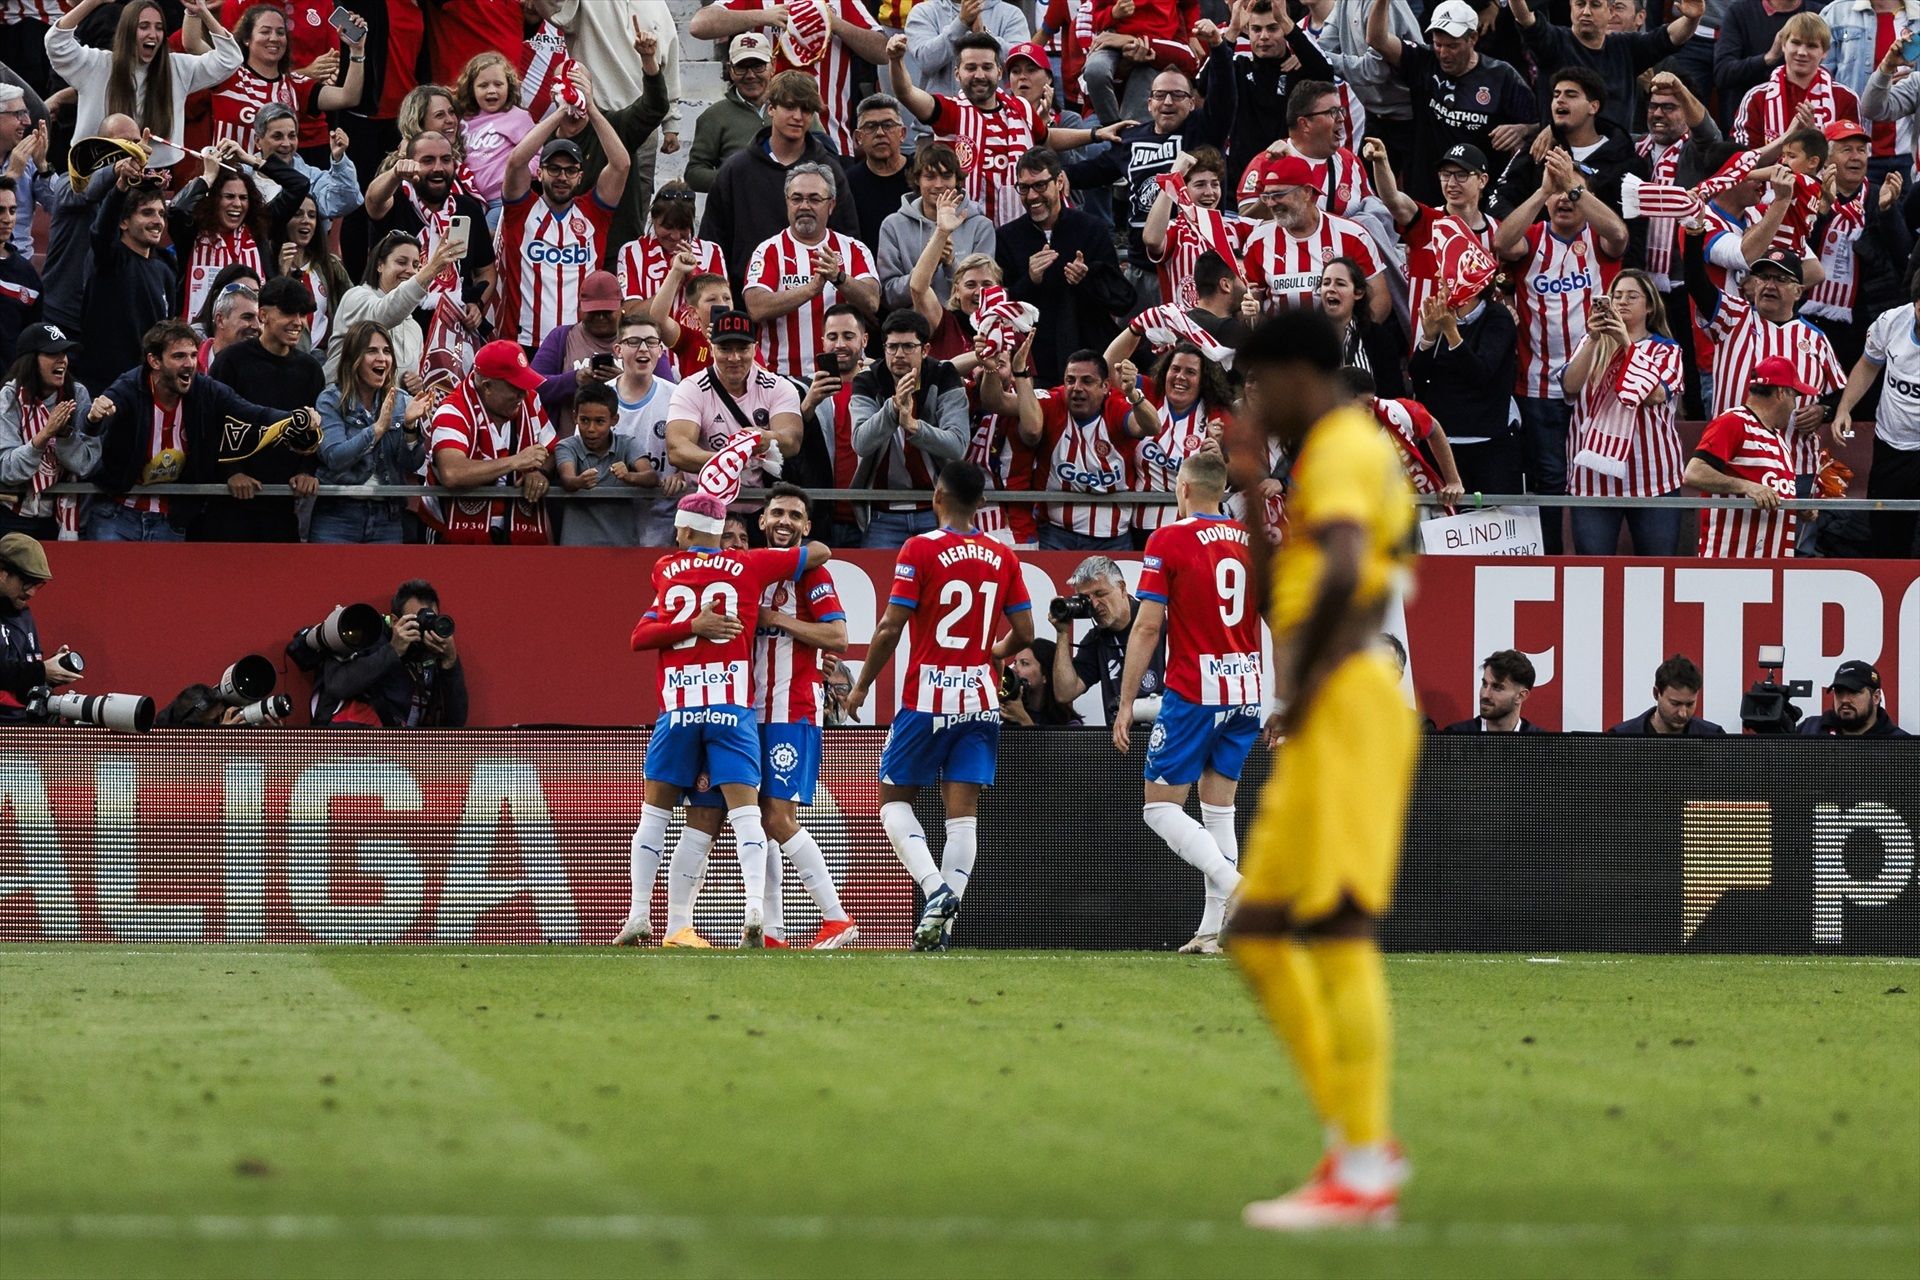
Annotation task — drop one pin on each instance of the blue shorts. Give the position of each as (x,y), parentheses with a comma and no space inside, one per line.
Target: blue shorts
(789,761)
(1189,738)
(720,742)
(923,748)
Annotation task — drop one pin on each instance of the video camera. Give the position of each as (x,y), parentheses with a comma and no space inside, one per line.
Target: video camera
(1768,706)
(1067,608)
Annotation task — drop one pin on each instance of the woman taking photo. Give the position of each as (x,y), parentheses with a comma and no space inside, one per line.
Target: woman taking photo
(265,77)
(370,433)
(303,255)
(1624,379)
(140,76)
(44,436)
(393,288)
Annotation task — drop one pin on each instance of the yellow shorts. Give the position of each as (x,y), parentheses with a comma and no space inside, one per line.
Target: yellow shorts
(1333,812)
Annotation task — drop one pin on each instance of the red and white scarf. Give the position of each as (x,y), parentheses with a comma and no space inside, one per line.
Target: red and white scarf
(1777,120)
(1662,232)
(1000,322)
(66,508)
(1210,225)
(470,520)
(447,351)
(434,224)
(211,253)
(1167,324)
(724,473)
(1611,404)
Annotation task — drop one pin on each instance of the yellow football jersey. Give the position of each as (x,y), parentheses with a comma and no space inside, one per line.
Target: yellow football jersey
(1347,471)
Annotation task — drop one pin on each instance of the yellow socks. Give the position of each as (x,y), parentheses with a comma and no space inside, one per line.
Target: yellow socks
(1353,983)
(1290,989)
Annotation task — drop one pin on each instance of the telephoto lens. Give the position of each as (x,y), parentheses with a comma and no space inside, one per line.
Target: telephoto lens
(267,710)
(124,712)
(246,681)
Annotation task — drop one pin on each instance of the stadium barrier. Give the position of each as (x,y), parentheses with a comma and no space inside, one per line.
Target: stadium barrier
(1577,843)
(543,631)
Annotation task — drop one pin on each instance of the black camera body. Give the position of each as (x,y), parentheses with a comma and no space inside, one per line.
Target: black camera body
(1068,608)
(1012,686)
(432,621)
(1768,706)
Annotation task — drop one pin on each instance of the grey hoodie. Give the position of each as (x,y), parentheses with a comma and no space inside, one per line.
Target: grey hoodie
(904,236)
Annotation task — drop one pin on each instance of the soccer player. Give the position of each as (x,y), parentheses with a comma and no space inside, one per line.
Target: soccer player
(1196,582)
(947,728)
(706,604)
(1322,852)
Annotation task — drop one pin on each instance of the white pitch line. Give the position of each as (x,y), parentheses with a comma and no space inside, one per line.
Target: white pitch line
(274,1228)
(615,955)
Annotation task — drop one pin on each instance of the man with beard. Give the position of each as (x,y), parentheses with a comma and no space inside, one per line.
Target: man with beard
(161,423)
(796,275)
(1676,704)
(1062,261)
(1284,257)
(1617,57)
(988,127)
(731,396)
(1859,707)
(910,418)
(416,197)
(1082,434)
(549,245)
(1250,85)
(132,286)
(1506,678)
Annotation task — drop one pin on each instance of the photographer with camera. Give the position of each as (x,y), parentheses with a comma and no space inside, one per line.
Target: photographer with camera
(23,571)
(409,679)
(1859,707)
(1100,595)
(1026,689)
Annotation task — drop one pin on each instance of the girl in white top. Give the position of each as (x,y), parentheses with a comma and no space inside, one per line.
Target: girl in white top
(135,79)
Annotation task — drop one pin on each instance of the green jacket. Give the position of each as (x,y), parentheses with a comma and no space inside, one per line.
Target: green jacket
(724,128)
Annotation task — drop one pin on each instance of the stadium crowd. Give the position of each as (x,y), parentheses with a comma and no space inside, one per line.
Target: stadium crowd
(281,245)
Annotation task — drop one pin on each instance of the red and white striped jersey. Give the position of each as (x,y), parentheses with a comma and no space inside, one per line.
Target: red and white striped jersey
(543,256)
(1833,297)
(1616,398)
(462,423)
(958,585)
(47,11)
(238,99)
(643,266)
(1768,109)
(834,71)
(1095,456)
(1738,443)
(986,448)
(209,255)
(166,454)
(1555,286)
(786,671)
(790,343)
(1157,458)
(1743,339)
(1423,252)
(1200,568)
(540,60)
(714,673)
(1407,423)
(1071,22)
(1663,234)
(988,143)
(1340,179)
(1184,249)
(1288,267)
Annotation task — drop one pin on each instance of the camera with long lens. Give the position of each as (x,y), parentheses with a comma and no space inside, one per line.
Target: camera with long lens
(270,710)
(1768,706)
(246,681)
(341,634)
(123,712)
(1067,608)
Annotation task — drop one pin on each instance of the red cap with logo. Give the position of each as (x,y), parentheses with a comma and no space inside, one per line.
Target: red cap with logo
(1032,53)
(1840,129)
(508,363)
(1778,371)
(1287,170)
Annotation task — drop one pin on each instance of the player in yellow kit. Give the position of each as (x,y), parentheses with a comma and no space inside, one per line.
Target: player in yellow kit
(1322,854)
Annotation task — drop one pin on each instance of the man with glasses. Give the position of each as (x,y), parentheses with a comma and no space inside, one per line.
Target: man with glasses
(910,417)
(1463,183)
(1284,256)
(24,150)
(549,246)
(1252,80)
(1315,120)
(729,124)
(796,275)
(877,179)
(642,400)
(1062,261)
(1141,154)
(853,37)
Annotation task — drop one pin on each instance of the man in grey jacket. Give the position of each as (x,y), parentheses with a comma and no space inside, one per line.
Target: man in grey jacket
(910,416)
(904,235)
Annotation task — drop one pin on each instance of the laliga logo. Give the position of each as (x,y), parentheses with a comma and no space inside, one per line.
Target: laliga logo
(1575,283)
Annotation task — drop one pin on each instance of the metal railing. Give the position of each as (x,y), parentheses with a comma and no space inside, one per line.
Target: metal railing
(629,493)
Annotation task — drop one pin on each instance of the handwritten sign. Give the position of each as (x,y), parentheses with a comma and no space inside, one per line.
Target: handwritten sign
(1492,531)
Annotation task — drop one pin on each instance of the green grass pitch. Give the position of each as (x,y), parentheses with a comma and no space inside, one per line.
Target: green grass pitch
(438,1112)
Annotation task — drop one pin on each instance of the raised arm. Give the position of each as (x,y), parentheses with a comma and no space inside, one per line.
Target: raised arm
(518,178)
(1402,206)
(922,104)
(1380,37)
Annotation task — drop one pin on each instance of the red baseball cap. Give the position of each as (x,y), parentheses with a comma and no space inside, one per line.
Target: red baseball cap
(600,291)
(1845,129)
(1287,170)
(1032,53)
(507,362)
(1778,371)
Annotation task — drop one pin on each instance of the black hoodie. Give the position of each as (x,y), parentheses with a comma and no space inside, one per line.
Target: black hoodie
(747,204)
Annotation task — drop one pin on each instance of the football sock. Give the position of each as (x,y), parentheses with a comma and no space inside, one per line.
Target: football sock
(751,839)
(776,898)
(1284,978)
(803,851)
(684,874)
(956,859)
(910,845)
(1354,980)
(1190,841)
(649,840)
(1218,820)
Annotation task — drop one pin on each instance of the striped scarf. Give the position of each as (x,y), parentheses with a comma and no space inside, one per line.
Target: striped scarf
(66,507)
(1611,404)
(1209,225)
(211,252)
(1662,233)
(1777,120)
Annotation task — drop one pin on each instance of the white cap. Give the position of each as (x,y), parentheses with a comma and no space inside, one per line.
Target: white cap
(9,91)
(1455,17)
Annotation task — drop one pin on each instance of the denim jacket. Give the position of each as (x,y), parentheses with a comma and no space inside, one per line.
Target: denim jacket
(349,454)
(1854,24)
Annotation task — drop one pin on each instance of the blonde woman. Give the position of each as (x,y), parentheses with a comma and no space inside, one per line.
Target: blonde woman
(370,433)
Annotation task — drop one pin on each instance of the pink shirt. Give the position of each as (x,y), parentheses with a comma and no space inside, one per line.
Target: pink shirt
(490,137)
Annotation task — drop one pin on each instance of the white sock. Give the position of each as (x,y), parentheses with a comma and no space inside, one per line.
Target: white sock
(956,860)
(1368,1169)
(684,874)
(751,839)
(1191,843)
(910,845)
(803,851)
(776,900)
(1218,820)
(649,840)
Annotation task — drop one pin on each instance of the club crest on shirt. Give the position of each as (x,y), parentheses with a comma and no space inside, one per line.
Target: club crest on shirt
(1580,249)
(1483,96)
(578,225)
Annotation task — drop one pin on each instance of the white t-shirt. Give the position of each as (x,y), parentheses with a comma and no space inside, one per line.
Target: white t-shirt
(1893,343)
(644,421)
